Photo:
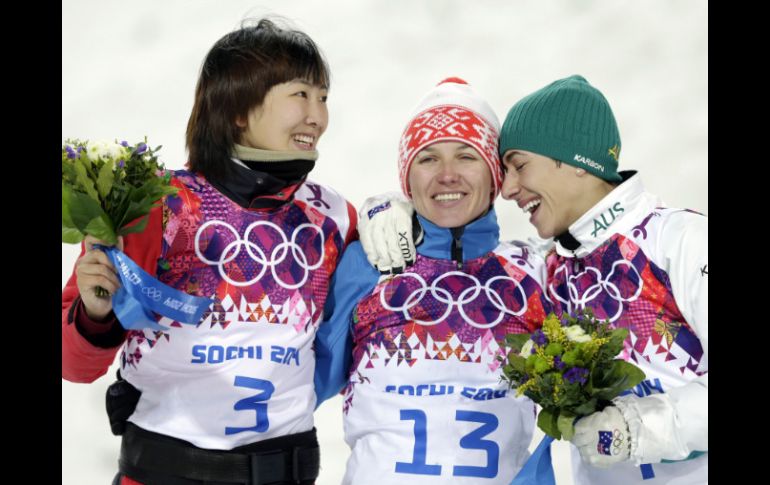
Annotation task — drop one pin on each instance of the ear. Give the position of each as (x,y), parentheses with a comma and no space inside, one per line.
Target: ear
(240,122)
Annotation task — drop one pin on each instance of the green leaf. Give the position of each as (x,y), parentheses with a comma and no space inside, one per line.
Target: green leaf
(134,211)
(101,228)
(541,365)
(105,179)
(516,340)
(570,357)
(66,196)
(71,235)
(69,232)
(119,205)
(143,199)
(615,345)
(554,349)
(136,227)
(68,171)
(517,362)
(547,422)
(588,407)
(565,426)
(83,211)
(83,180)
(620,376)
(530,363)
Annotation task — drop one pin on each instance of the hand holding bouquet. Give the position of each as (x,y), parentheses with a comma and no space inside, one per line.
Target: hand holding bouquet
(569,367)
(108,190)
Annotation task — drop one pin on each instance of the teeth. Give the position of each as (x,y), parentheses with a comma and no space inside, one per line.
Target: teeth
(307,139)
(531,206)
(441,197)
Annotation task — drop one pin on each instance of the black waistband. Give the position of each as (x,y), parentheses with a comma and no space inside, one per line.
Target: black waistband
(293,458)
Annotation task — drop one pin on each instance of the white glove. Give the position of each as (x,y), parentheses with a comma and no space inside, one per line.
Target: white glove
(603,438)
(385,230)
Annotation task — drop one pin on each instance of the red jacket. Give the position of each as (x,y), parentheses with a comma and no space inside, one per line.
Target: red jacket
(82,360)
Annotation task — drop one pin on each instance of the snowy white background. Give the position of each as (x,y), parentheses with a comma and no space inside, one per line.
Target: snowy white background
(129,70)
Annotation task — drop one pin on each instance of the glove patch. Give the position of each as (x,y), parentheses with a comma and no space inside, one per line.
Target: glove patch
(610,442)
(379,208)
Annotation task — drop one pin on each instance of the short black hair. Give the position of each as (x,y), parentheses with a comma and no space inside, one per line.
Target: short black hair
(236,75)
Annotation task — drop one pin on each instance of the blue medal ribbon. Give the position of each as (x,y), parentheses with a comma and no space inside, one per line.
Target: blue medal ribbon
(141,296)
(538,469)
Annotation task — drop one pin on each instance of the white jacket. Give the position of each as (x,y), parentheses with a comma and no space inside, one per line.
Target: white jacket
(646,268)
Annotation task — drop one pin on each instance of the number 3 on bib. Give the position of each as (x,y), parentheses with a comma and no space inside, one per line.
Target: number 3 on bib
(254,403)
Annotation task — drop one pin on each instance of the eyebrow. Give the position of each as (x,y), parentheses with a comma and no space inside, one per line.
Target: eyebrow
(515,156)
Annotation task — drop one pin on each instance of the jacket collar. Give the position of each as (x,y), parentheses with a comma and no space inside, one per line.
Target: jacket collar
(616,213)
(478,238)
(260,179)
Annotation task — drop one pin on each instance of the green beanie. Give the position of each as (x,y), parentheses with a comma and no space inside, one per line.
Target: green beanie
(568,120)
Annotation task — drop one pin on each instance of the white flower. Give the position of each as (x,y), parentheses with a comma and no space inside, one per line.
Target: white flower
(107,150)
(575,333)
(526,350)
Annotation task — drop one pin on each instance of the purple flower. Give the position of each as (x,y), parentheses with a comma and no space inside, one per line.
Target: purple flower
(539,338)
(579,316)
(70,152)
(564,321)
(576,374)
(121,163)
(141,148)
(124,143)
(80,149)
(557,362)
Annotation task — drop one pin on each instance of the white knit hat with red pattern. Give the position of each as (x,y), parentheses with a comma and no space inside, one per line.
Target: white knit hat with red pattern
(452,112)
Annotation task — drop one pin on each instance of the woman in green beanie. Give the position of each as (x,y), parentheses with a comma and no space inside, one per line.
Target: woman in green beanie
(643,266)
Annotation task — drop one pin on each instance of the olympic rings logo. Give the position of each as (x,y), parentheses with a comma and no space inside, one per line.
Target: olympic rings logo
(277,255)
(444,296)
(602,285)
(618,441)
(152,292)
